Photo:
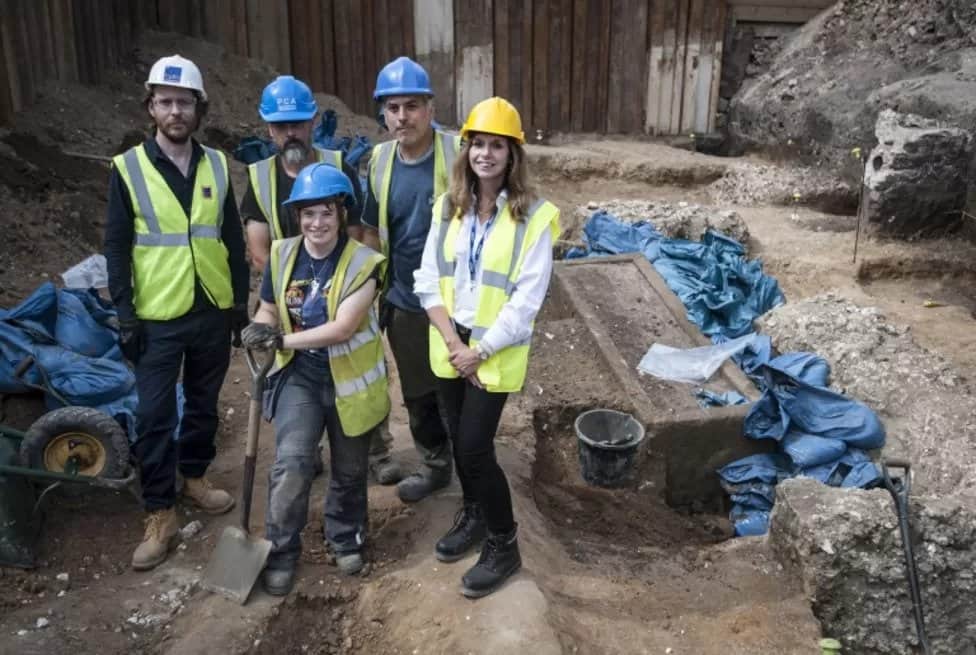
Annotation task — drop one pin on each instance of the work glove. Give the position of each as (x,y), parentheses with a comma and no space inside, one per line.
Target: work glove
(132,339)
(261,336)
(238,321)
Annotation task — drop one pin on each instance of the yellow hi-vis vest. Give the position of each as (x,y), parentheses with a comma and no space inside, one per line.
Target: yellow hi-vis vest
(264,181)
(357,365)
(446,147)
(171,248)
(504,254)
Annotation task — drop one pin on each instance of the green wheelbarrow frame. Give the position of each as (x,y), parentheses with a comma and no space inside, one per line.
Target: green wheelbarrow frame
(21,506)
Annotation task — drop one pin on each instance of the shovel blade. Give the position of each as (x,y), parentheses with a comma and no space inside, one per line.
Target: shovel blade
(236,564)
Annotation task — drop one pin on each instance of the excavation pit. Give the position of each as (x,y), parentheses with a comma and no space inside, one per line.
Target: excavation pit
(623,306)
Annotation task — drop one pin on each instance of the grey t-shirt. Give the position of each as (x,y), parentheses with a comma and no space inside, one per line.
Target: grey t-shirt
(410,202)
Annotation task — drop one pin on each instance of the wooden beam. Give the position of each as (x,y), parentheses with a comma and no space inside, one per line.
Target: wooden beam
(719,29)
(767,14)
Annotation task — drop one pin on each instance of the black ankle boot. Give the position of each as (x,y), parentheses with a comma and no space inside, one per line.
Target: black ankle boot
(499,560)
(467,532)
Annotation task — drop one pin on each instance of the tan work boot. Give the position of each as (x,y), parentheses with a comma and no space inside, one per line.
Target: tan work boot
(205,496)
(162,535)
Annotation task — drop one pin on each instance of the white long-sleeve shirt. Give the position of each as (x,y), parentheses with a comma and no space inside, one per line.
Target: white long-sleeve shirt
(514,322)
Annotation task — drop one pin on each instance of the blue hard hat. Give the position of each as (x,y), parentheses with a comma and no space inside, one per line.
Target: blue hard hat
(402,77)
(287,100)
(318,182)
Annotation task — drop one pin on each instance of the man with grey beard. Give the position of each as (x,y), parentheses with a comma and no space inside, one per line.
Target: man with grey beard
(289,109)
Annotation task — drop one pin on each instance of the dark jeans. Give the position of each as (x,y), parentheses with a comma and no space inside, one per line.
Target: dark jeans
(409,340)
(199,344)
(472,420)
(306,407)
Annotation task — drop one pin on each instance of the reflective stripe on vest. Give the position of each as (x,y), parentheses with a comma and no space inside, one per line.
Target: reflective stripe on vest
(358,367)
(264,181)
(171,251)
(446,147)
(504,254)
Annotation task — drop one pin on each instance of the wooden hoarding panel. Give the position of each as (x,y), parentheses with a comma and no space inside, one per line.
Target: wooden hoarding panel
(474,54)
(433,33)
(626,90)
(693,61)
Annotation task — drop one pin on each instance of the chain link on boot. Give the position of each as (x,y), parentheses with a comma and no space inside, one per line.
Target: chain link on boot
(499,560)
(207,497)
(161,536)
(467,532)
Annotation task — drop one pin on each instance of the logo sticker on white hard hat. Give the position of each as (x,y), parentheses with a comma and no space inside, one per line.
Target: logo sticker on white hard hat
(172,74)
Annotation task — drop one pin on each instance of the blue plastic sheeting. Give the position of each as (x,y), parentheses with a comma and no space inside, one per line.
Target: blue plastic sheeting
(722,291)
(708,398)
(75,350)
(820,433)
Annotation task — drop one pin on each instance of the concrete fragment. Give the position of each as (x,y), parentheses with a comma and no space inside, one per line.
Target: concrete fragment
(917,176)
(858,585)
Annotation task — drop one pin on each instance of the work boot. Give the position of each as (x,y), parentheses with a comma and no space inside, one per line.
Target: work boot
(205,496)
(499,560)
(162,535)
(278,582)
(386,471)
(420,485)
(350,563)
(467,532)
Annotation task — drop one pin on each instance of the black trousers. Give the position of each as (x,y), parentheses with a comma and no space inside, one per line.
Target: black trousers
(408,334)
(472,416)
(198,344)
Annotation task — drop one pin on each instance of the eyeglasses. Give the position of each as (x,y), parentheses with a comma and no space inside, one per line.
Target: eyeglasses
(167,104)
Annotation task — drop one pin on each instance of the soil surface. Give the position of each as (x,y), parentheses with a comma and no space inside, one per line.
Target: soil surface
(605,571)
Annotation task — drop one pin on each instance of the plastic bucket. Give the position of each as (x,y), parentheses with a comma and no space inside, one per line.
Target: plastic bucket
(608,442)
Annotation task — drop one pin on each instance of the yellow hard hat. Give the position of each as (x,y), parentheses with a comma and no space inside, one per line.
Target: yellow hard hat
(494,116)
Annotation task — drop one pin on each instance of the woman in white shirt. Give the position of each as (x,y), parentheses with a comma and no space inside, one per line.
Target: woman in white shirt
(483,277)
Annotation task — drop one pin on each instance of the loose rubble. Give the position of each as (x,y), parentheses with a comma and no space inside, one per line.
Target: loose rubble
(754,184)
(675,220)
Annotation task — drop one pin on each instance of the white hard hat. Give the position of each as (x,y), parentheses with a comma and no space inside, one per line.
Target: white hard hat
(179,72)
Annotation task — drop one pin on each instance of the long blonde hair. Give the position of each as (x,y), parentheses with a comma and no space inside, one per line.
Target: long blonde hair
(460,196)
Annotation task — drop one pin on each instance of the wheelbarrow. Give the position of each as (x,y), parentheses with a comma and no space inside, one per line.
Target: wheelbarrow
(66,447)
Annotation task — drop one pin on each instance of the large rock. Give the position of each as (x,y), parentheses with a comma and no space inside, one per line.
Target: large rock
(845,546)
(916,177)
(822,94)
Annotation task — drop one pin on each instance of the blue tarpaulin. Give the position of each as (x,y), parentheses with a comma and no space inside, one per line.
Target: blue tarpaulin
(75,350)
(820,433)
(722,291)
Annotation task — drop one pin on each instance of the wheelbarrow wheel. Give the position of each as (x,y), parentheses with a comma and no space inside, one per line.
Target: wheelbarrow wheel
(77,439)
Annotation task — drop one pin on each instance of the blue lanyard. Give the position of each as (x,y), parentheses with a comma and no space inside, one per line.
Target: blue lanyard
(474,255)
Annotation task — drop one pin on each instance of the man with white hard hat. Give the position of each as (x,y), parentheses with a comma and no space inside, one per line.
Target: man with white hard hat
(179,279)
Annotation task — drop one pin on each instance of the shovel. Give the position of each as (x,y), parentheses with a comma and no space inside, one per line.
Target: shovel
(900,489)
(239,558)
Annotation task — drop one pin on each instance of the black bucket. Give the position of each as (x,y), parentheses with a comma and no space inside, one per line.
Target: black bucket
(608,443)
